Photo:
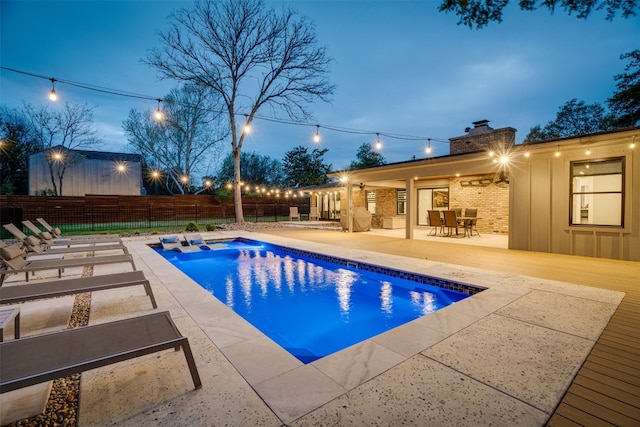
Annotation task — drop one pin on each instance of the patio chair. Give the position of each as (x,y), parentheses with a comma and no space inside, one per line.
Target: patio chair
(56,288)
(15,262)
(36,359)
(313,213)
(51,240)
(435,221)
(57,234)
(293,213)
(450,221)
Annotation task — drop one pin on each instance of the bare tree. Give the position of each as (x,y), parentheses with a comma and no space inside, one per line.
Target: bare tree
(60,132)
(250,55)
(183,139)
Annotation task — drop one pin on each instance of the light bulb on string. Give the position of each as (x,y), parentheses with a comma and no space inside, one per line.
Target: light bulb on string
(316,137)
(158,115)
(247,126)
(378,142)
(588,150)
(428,149)
(558,151)
(53,96)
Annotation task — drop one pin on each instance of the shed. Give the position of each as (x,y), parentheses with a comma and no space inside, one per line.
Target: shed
(84,172)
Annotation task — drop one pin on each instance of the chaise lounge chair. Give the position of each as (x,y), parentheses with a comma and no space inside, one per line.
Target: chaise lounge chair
(15,262)
(50,240)
(32,244)
(32,360)
(57,234)
(56,288)
(171,243)
(195,240)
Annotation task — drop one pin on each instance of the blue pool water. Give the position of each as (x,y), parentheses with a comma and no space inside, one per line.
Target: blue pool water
(309,306)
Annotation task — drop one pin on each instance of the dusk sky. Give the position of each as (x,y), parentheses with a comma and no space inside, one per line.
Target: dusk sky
(400,67)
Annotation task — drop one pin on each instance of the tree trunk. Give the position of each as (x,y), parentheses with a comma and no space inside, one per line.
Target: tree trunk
(237,187)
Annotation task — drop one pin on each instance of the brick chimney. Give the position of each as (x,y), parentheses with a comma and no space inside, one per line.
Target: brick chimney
(482,137)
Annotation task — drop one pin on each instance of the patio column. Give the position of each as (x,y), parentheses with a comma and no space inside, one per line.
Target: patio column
(350,206)
(411,216)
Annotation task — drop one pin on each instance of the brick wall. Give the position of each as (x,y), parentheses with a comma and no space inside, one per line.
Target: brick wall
(386,202)
(491,200)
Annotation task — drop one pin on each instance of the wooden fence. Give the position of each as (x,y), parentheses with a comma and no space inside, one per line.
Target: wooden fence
(102,213)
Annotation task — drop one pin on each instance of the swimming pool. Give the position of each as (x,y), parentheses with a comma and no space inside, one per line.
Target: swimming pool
(311,304)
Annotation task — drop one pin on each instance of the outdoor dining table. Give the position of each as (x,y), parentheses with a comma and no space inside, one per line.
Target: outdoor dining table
(467,223)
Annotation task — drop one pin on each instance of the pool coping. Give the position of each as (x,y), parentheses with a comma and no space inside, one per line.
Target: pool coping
(292,389)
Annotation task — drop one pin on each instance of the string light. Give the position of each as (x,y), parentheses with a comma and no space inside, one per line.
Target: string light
(316,137)
(378,142)
(53,96)
(247,127)
(428,149)
(588,150)
(558,151)
(633,142)
(158,115)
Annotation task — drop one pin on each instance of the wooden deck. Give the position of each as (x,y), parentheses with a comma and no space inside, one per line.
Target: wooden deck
(606,390)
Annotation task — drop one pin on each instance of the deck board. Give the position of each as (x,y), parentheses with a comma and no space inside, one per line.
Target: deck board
(599,411)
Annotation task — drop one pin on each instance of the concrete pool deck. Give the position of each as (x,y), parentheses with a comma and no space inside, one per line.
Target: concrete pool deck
(505,356)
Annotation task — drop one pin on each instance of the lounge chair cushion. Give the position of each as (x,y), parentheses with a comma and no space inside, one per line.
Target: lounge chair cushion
(46,235)
(10,252)
(173,239)
(199,241)
(31,241)
(57,231)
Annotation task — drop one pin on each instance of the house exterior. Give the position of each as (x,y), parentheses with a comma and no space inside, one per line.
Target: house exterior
(85,172)
(575,196)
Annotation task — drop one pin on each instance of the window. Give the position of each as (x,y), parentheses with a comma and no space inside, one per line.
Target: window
(371,201)
(401,199)
(597,192)
(429,199)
